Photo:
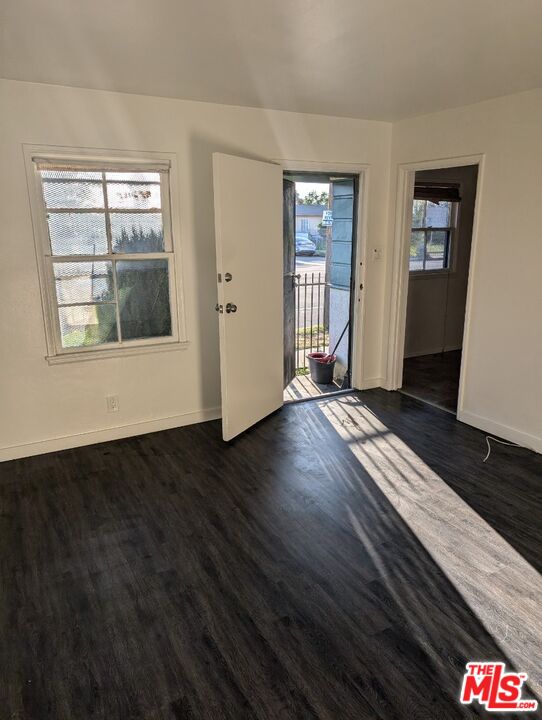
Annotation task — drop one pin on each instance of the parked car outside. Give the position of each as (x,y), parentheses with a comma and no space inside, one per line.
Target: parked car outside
(303,245)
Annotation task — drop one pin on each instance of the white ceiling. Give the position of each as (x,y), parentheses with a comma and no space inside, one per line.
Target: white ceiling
(377,59)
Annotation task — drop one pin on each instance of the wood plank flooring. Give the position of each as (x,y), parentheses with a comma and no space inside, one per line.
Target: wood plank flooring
(342,560)
(303,387)
(434,378)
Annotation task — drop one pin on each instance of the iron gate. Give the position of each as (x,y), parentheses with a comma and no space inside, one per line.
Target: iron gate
(312,317)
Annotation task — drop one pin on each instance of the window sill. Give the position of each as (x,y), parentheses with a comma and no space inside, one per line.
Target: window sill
(420,274)
(86,355)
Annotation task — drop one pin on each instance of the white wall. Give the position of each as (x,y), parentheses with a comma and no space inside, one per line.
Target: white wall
(503,353)
(43,407)
(436,302)
(47,407)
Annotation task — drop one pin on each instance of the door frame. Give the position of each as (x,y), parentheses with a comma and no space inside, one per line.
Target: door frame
(400,266)
(361,170)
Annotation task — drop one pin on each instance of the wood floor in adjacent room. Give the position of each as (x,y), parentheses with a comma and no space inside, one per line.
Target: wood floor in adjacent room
(342,560)
(434,378)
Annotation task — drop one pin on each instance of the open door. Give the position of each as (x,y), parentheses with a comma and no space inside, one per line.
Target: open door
(341,262)
(288,234)
(249,256)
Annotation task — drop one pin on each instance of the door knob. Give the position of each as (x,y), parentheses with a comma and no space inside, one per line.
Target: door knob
(218,308)
(228,277)
(230,307)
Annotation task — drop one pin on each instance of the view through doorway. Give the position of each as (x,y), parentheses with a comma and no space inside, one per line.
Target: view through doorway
(440,247)
(319,227)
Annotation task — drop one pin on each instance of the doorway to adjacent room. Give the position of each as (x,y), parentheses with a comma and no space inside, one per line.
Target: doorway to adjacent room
(439,259)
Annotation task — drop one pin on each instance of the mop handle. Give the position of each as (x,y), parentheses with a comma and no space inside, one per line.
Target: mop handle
(339,340)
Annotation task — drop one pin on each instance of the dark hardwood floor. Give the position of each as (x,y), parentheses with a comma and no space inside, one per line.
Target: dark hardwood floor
(342,560)
(434,378)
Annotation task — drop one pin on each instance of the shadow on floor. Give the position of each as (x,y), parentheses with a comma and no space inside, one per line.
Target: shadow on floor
(506,491)
(175,576)
(303,387)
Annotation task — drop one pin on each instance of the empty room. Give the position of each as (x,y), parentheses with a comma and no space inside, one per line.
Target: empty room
(271,360)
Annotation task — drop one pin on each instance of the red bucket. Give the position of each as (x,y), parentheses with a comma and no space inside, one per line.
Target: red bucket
(322,366)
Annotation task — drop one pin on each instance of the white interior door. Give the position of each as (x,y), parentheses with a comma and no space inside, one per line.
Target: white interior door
(248,227)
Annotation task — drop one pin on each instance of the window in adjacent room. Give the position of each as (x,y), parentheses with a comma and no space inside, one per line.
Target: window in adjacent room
(434,214)
(108,254)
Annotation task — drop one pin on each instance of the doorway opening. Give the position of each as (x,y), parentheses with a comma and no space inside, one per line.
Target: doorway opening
(319,247)
(440,249)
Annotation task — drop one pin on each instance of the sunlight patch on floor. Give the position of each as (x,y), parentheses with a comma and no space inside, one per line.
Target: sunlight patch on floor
(303,387)
(451,532)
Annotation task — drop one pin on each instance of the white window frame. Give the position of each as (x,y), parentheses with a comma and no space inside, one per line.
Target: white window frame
(130,162)
(452,231)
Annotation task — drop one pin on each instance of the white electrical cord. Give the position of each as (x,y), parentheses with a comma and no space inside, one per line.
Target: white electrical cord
(502,442)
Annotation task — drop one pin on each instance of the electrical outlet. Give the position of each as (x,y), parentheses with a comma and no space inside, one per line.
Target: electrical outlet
(112,403)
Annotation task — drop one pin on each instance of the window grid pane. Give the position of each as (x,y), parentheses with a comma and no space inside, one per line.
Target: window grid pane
(87,325)
(417,249)
(79,283)
(430,245)
(418,214)
(437,215)
(107,218)
(73,194)
(134,196)
(89,304)
(425,250)
(77,233)
(137,232)
(143,298)
(437,249)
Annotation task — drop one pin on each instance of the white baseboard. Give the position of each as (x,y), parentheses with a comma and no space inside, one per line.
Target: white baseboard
(433,351)
(503,431)
(115,433)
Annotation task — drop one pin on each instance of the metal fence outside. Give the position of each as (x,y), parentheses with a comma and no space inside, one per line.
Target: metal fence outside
(312,317)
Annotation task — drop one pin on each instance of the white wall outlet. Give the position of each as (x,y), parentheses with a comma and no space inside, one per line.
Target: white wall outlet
(112,403)
(377,253)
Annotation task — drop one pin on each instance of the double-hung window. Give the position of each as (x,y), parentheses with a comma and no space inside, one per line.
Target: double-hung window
(108,255)
(433,225)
